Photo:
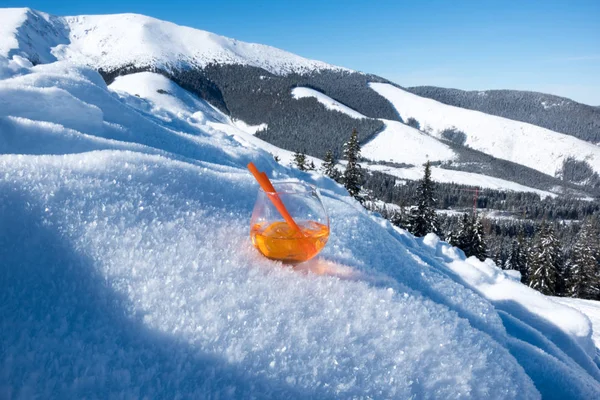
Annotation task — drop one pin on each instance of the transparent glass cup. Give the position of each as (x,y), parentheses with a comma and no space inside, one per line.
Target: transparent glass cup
(275,238)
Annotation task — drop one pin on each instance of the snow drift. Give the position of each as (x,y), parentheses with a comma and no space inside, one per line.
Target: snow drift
(127,271)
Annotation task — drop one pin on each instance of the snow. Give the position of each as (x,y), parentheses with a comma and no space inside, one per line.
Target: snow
(12,19)
(127,270)
(519,142)
(30,34)
(547,105)
(403,144)
(251,129)
(588,307)
(328,102)
(460,177)
(113,41)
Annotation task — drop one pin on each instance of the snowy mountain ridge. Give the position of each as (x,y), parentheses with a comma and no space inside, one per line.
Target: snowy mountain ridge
(134,40)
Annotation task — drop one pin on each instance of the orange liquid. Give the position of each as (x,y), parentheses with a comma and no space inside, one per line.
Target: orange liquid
(278,241)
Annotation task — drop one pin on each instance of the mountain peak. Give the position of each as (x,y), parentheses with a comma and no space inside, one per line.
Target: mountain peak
(133,40)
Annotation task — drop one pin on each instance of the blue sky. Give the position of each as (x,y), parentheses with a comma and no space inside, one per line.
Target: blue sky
(548,46)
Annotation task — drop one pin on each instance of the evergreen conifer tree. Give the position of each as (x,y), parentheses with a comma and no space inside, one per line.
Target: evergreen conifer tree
(460,236)
(423,218)
(517,258)
(311,166)
(328,166)
(300,160)
(583,266)
(353,174)
(469,237)
(479,246)
(544,261)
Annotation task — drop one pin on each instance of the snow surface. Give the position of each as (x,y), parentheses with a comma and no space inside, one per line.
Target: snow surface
(460,177)
(403,144)
(328,102)
(113,41)
(519,142)
(251,129)
(588,307)
(128,271)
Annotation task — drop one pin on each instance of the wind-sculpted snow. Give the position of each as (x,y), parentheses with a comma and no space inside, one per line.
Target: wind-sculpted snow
(127,271)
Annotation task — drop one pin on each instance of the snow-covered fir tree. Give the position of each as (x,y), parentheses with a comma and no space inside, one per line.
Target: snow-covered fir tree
(329,168)
(469,237)
(300,160)
(583,266)
(311,166)
(544,261)
(517,257)
(423,218)
(479,245)
(353,175)
(459,236)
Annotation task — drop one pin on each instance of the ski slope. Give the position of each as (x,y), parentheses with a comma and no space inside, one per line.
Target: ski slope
(397,142)
(128,271)
(519,142)
(328,102)
(125,40)
(460,177)
(403,144)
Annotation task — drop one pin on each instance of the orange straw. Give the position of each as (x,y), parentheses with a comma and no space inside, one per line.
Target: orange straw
(267,186)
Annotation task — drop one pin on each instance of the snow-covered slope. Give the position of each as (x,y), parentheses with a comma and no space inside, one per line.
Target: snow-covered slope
(519,142)
(112,41)
(397,142)
(403,144)
(328,102)
(460,177)
(127,270)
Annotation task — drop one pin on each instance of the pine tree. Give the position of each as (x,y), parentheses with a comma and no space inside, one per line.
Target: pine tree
(423,218)
(479,246)
(544,261)
(459,237)
(517,258)
(300,160)
(469,237)
(311,166)
(276,158)
(328,166)
(583,266)
(353,174)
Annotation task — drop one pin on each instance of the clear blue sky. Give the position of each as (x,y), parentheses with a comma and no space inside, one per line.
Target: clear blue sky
(549,46)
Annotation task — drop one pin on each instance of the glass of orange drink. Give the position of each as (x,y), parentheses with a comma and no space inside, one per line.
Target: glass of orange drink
(275,238)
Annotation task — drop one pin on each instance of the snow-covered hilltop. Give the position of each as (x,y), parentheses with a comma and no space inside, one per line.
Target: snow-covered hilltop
(126,268)
(519,142)
(133,40)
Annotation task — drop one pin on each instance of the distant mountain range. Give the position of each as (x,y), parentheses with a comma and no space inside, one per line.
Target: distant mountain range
(536,140)
(548,111)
